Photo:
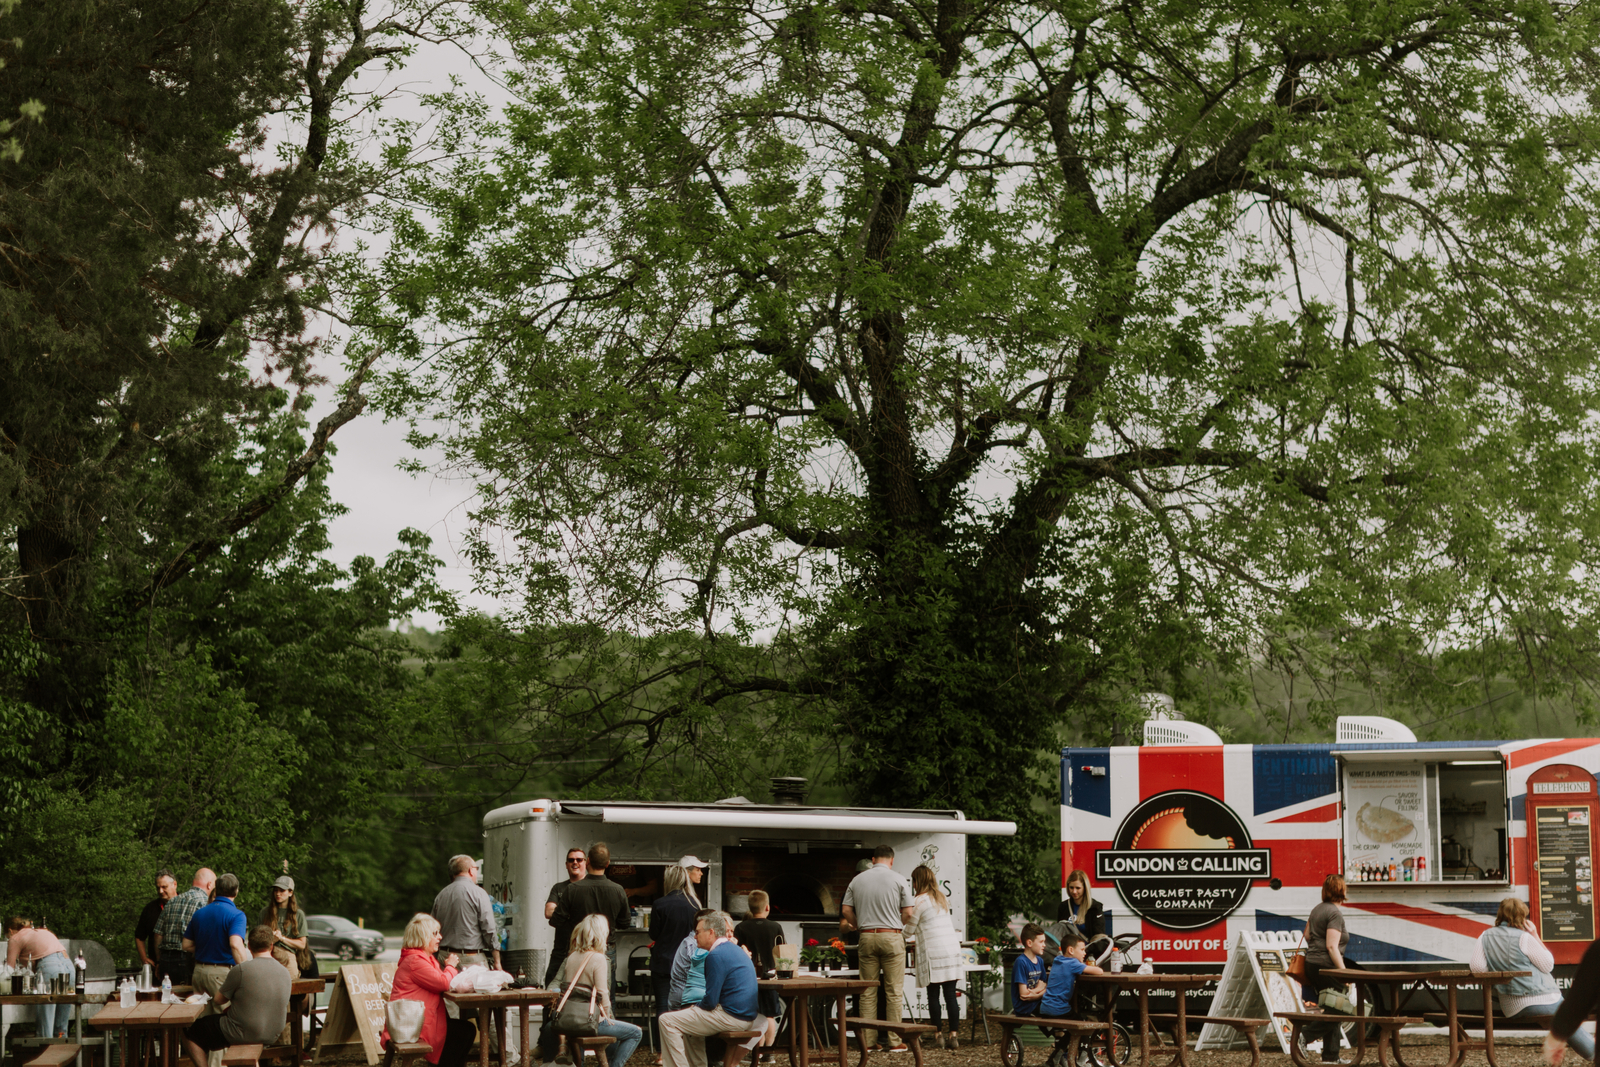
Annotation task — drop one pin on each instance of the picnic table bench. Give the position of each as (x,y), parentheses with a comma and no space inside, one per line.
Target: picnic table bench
(1011,1046)
(912,1032)
(1243,1026)
(57,1055)
(1388,1029)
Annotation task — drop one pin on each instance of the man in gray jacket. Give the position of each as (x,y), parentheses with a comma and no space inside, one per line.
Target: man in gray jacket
(466,916)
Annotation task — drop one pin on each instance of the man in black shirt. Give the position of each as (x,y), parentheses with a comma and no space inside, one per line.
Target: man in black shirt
(560,917)
(598,895)
(144,933)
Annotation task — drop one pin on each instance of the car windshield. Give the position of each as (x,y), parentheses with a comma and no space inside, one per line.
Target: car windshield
(336,923)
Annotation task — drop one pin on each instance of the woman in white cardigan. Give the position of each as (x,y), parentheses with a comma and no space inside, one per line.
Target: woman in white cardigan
(939,962)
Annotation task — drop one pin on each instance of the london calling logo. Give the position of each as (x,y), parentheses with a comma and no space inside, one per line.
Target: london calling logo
(1182,860)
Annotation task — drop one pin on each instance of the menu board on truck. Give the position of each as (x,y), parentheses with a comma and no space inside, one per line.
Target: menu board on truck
(1386,816)
(1563,856)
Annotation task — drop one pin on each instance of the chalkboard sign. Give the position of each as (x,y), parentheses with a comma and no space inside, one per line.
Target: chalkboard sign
(357,1008)
(1562,810)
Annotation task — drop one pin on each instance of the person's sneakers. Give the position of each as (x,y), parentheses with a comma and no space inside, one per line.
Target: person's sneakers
(896,1047)
(950,1041)
(767,1057)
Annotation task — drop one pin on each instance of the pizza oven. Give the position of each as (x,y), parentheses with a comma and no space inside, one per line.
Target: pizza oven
(805,880)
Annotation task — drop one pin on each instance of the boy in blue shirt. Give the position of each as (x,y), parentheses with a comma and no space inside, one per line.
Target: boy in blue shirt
(1028,972)
(1057,1002)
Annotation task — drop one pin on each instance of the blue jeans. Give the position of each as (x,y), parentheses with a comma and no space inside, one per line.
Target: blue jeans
(1580,1041)
(53,1018)
(628,1037)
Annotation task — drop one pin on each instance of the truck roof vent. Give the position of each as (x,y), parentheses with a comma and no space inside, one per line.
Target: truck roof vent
(788,791)
(1178,732)
(1159,706)
(1351,729)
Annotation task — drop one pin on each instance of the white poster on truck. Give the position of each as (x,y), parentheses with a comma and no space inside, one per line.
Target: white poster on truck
(1386,817)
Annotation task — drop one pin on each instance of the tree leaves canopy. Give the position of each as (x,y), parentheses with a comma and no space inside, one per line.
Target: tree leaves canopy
(999,356)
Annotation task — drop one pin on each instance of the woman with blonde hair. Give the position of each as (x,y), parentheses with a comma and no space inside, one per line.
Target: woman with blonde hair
(1081,909)
(671,920)
(585,972)
(420,977)
(1512,945)
(939,962)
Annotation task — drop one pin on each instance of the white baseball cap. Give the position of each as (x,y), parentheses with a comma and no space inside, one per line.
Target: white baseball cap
(692,861)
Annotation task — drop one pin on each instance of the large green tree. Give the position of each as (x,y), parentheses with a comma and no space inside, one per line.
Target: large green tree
(164,238)
(1001,356)
(184,677)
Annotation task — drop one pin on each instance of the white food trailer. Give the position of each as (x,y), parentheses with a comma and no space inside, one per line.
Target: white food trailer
(802,856)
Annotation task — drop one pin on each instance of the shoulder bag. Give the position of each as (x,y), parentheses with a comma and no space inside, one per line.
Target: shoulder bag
(1297,958)
(577,1016)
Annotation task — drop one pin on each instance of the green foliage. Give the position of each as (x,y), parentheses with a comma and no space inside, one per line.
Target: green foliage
(993,363)
(184,679)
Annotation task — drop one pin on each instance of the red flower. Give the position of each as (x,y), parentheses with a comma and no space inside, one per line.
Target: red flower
(812,943)
(981,941)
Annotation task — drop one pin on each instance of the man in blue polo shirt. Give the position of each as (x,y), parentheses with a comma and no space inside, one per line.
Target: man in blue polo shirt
(216,937)
(729,1002)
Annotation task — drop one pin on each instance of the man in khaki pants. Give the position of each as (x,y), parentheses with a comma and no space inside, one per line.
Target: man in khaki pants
(878,904)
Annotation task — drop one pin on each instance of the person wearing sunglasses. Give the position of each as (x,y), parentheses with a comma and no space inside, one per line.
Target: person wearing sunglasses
(559,916)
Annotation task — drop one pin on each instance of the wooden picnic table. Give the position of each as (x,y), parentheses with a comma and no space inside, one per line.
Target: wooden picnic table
(493,1006)
(798,992)
(1452,980)
(148,1020)
(1143,985)
(74,998)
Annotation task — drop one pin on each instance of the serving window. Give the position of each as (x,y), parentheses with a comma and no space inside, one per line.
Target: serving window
(1415,816)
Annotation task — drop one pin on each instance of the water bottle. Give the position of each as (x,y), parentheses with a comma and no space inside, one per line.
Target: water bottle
(128,998)
(1116,960)
(166,989)
(80,972)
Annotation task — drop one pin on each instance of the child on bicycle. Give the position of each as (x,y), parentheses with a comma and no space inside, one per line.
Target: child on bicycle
(1057,1002)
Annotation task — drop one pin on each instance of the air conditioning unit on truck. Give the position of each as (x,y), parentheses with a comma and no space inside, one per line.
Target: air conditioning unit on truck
(802,856)
(1190,842)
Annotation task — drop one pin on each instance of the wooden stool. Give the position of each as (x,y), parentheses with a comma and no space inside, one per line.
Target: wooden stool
(241,1055)
(732,1053)
(407,1052)
(578,1044)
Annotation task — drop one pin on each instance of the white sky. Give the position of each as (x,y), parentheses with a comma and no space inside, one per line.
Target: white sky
(364,477)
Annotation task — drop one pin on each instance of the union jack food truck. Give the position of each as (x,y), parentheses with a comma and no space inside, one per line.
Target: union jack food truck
(1190,841)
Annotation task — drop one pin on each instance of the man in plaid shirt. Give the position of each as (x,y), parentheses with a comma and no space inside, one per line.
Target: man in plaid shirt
(176,963)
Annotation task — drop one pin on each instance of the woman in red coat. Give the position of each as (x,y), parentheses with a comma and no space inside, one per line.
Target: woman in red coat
(419,977)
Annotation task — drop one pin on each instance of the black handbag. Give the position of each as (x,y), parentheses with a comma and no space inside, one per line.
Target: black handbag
(576,1015)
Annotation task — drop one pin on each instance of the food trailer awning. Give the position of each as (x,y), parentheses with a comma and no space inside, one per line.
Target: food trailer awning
(741,816)
(1418,754)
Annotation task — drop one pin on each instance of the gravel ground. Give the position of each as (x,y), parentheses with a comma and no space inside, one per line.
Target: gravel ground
(1422,1050)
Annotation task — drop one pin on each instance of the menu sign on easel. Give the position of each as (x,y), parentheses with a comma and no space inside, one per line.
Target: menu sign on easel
(1561,827)
(357,1009)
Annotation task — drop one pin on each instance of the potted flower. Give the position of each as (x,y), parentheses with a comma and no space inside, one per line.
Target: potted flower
(835,955)
(812,954)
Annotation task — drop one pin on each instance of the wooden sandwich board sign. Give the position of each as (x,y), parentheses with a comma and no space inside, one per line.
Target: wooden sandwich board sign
(357,1008)
(1255,983)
